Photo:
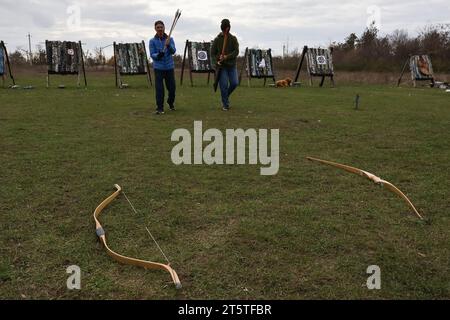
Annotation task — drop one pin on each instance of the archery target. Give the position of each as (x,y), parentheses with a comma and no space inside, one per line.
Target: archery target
(262,64)
(321,60)
(199,56)
(259,63)
(70,52)
(202,55)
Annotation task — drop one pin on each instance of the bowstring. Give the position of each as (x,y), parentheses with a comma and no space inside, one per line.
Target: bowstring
(151,236)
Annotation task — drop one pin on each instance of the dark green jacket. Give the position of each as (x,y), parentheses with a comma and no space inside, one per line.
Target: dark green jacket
(231,51)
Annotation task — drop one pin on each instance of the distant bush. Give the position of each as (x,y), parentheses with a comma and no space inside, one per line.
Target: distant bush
(370,52)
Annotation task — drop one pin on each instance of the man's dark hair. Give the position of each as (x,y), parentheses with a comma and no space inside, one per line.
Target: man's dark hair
(159,22)
(225,24)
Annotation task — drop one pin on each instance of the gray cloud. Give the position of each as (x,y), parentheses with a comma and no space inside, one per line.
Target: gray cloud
(262,23)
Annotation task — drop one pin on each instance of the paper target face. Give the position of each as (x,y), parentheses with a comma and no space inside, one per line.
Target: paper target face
(321,60)
(202,55)
(262,64)
(70,52)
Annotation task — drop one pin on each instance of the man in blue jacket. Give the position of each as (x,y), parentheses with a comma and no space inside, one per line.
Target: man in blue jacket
(162,50)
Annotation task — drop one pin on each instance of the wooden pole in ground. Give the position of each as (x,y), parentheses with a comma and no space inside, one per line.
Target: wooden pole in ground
(149,76)
(403,71)
(82,65)
(184,61)
(305,49)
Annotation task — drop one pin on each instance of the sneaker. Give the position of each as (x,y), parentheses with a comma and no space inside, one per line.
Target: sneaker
(158,112)
(225,108)
(172,108)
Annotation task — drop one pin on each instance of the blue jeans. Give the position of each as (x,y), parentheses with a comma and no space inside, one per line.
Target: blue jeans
(228,82)
(167,76)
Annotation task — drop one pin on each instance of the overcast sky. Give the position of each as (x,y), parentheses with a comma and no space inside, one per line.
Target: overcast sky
(256,23)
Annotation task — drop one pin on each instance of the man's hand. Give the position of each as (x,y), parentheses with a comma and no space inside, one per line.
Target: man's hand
(222,57)
(167,42)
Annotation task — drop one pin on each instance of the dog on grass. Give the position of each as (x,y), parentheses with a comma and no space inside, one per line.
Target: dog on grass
(283,83)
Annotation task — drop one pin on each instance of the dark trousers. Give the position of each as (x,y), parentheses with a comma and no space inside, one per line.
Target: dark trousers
(167,76)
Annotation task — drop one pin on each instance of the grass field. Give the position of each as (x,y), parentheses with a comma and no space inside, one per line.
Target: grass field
(308,232)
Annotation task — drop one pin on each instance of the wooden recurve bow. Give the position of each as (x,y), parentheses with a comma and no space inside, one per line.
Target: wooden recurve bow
(219,67)
(124,259)
(372,177)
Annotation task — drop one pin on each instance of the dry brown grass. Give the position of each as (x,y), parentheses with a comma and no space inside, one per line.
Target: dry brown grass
(341,77)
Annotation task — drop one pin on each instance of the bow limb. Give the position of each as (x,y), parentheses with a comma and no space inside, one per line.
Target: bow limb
(369,176)
(124,259)
(397,191)
(339,165)
(144,264)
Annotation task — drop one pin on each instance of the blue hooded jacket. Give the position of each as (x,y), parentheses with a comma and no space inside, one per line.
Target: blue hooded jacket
(156,45)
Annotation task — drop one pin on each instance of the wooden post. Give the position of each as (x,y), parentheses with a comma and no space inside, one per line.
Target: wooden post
(79,73)
(149,76)
(115,64)
(183,63)
(190,77)
(209,75)
(8,63)
(271,65)
(305,49)
(48,75)
(82,65)
(243,65)
(321,81)
(2,45)
(332,74)
(403,71)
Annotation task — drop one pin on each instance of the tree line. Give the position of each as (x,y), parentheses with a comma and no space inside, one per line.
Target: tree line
(368,52)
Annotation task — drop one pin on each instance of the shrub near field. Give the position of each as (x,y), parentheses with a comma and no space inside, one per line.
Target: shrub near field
(310,231)
(369,52)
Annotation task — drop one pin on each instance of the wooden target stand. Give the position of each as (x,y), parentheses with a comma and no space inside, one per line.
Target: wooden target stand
(119,74)
(6,65)
(78,73)
(183,65)
(245,64)
(311,75)
(413,79)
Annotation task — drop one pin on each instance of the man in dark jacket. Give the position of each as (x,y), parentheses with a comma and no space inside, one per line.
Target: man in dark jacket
(226,61)
(162,50)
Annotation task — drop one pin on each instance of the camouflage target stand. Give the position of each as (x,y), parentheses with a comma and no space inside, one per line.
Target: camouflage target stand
(131,59)
(4,64)
(258,64)
(199,58)
(421,69)
(319,63)
(65,58)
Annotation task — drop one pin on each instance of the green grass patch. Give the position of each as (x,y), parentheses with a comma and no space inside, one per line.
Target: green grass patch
(308,232)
